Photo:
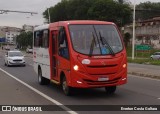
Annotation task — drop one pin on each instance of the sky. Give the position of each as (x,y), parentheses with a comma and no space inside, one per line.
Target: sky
(39,6)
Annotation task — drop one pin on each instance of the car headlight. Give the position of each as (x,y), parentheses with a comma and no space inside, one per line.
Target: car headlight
(10,59)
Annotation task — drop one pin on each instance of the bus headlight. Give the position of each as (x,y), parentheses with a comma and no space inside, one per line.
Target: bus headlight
(75,67)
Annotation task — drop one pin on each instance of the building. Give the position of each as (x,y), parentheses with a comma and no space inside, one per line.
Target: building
(27,28)
(2,35)
(146,32)
(10,34)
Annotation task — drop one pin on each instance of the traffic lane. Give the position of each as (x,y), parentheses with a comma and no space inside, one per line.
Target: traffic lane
(142,85)
(29,60)
(124,95)
(14,93)
(31,78)
(155,67)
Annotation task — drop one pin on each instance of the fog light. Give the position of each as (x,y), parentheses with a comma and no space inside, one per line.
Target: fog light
(75,67)
(79,82)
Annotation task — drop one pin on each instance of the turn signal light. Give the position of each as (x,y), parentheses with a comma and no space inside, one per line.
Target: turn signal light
(124,65)
(75,67)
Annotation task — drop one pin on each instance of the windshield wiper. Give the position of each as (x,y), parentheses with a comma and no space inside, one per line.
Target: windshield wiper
(92,45)
(105,43)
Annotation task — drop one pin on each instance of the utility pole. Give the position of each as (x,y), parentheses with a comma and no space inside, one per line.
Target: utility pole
(49,18)
(133,39)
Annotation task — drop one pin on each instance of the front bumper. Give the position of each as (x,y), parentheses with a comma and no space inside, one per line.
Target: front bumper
(11,62)
(81,80)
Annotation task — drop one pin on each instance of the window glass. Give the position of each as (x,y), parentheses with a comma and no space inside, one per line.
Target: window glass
(63,44)
(95,39)
(41,38)
(36,39)
(45,38)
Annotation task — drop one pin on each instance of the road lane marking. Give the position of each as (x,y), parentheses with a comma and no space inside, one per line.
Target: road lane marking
(159,98)
(40,93)
(143,77)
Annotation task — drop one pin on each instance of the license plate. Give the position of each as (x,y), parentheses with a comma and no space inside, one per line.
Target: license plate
(103,79)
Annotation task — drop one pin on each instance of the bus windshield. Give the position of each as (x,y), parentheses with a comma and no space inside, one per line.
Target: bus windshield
(95,39)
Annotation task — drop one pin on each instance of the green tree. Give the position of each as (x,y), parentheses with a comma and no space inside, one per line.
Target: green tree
(109,10)
(105,10)
(127,37)
(147,10)
(25,39)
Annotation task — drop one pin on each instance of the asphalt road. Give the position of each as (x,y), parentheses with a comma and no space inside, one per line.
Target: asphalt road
(138,91)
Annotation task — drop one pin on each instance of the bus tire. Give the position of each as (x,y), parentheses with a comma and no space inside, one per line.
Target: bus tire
(41,79)
(110,89)
(65,87)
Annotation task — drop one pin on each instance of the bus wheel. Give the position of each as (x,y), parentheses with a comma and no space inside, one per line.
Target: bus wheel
(110,89)
(65,87)
(41,79)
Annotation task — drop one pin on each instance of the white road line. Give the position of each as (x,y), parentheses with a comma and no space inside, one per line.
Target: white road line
(159,98)
(143,77)
(40,93)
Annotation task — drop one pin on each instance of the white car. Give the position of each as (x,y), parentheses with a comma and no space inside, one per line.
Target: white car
(7,48)
(14,58)
(155,56)
(29,50)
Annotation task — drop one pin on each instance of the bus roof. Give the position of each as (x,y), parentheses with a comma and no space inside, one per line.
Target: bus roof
(41,27)
(46,26)
(80,22)
(86,22)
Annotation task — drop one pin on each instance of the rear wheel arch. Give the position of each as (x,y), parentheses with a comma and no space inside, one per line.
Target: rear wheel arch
(42,80)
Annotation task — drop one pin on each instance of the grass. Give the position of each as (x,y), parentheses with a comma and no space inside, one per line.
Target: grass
(142,57)
(144,61)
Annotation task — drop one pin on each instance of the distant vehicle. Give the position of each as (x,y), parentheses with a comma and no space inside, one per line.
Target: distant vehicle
(155,56)
(29,50)
(7,47)
(14,58)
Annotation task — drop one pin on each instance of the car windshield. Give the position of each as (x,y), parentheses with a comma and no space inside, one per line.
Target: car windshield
(13,54)
(95,39)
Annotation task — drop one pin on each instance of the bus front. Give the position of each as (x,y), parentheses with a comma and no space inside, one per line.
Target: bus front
(98,56)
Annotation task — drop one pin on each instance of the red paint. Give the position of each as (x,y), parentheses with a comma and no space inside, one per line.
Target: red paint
(100,67)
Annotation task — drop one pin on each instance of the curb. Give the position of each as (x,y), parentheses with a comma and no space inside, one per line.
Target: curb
(145,75)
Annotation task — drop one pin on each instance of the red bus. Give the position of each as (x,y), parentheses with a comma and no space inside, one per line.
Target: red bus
(80,54)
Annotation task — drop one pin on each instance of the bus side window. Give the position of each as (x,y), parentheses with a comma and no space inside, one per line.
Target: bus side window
(45,38)
(63,44)
(40,38)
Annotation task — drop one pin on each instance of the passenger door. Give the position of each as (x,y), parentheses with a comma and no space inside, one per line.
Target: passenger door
(54,54)
(63,52)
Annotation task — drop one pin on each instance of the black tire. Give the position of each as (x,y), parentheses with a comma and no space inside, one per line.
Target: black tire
(110,89)
(41,79)
(66,89)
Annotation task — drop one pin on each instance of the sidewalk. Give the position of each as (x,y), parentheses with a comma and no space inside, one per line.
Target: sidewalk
(151,71)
